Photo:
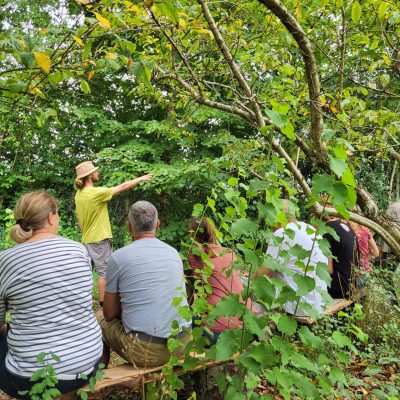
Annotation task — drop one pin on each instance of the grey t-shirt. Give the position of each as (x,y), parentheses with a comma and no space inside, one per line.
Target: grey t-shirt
(148,275)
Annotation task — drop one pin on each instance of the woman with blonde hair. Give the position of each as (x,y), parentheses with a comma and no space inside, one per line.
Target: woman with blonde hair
(46,285)
(224,280)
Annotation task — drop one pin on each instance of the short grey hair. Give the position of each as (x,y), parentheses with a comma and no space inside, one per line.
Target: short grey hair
(394,211)
(143,216)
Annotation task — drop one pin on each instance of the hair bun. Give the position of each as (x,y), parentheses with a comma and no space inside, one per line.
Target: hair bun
(23,223)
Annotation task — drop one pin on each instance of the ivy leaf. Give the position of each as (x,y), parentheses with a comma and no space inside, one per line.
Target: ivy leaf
(43,61)
(356,12)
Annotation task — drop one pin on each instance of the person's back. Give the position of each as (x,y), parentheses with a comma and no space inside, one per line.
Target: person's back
(148,275)
(344,254)
(91,206)
(301,235)
(224,280)
(144,281)
(47,285)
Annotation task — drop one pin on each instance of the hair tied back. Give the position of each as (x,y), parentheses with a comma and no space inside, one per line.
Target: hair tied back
(23,223)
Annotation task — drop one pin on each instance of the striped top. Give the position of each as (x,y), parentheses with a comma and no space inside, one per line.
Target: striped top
(47,287)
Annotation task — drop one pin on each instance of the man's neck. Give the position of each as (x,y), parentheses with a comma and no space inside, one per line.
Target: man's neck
(88,183)
(143,235)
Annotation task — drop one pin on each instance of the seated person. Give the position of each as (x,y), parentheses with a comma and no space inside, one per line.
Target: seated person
(300,234)
(344,256)
(46,285)
(142,281)
(223,280)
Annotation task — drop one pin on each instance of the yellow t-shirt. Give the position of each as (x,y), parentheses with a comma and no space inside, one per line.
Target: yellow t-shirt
(91,206)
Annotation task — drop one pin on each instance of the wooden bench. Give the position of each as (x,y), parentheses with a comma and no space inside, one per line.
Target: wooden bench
(338,304)
(129,377)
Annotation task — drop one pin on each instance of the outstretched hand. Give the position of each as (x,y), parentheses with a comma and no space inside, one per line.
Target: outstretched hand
(147,177)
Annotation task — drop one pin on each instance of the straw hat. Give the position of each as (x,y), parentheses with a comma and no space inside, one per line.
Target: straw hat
(85,169)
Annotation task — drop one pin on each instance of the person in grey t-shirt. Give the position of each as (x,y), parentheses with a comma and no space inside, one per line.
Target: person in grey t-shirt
(143,279)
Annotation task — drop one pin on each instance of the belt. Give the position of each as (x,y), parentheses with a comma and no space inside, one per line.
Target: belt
(155,339)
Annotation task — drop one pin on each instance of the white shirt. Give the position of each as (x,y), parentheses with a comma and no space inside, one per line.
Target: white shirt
(300,236)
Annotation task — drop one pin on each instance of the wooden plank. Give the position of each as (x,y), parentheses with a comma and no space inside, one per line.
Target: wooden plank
(338,304)
(128,376)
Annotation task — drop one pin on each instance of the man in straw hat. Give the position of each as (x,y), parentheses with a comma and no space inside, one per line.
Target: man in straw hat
(91,206)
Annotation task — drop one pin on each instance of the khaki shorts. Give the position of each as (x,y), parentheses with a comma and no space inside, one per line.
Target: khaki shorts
(100,252)
(138,352)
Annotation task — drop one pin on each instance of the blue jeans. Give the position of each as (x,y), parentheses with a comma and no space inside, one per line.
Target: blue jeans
(11,384)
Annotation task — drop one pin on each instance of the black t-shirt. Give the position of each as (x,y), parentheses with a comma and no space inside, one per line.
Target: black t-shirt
(345,252)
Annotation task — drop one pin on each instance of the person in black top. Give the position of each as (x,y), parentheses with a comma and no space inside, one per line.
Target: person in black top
(344,255)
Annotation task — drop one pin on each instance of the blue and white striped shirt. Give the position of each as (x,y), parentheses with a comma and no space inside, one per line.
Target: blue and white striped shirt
(46,285)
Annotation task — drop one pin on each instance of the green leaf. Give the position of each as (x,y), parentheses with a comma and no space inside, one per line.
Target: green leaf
(327,134)
(233,181)
(341,340)
(322,272)
(83,395)
(288,131)
(305,284)
(39,374)
(322,183)
(264,354)
(243,226)
(257,186)
(142,72)
(356,12)
(167,9)
(336,375)
(268,212)
(228,306)
(27,59)
(227,345)
(337,165)
(85,87)
(302,362)
(276,118)
(382,9)
(198,209)
(55,357)
(309,339)
(264,289)
(287,325)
